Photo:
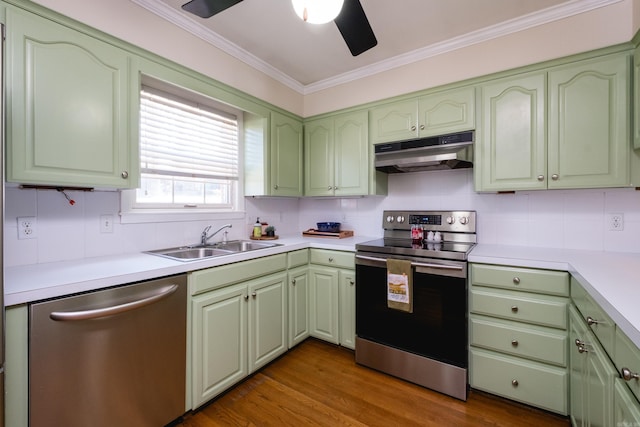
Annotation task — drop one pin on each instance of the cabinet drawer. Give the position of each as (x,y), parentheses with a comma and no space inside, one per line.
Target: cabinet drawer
(605,328)
(298,258)
(333,258)
(533,383)
(542,310)
(524,279)
(518,339)
(216,277)
(627,356)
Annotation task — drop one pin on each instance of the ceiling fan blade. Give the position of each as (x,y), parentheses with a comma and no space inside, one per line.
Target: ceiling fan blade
(354,27)
(208,8)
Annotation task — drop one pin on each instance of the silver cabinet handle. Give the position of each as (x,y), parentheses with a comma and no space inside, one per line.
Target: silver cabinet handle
(514,309)
(555,176)
(421,127)
(514,343)
(293,282)
(124,174)
(592,321)
(253,294)
(275,187)
(540,177)
(352,282)
(579,343)
(627,375)
(246,297)
(582,349)
(330,259)
(413,128)
(514,383)
(516,280)
(116,309)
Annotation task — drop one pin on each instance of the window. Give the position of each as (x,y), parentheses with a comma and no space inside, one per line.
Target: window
(189,153)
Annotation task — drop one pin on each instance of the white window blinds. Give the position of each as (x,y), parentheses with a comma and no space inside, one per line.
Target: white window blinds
(182,138)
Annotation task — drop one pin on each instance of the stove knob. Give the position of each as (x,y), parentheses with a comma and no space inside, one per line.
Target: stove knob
(390,218)
(450,220)
(400,219)
(463,220)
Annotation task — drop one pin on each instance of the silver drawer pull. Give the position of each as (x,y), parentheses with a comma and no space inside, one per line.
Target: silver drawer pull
(514,383)
(293,282)
(516,280)
(578,343)
(627,375)
(582,349)
(592,321)
(514,343)
(514,309)
(330,259)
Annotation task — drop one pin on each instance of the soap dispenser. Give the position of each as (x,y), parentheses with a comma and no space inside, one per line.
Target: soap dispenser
(257,229)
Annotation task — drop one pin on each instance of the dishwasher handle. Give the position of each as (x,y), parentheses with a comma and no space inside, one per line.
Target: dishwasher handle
(110,311)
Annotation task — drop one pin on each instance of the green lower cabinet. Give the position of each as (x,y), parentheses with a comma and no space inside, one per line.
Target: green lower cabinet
(626,409)
(592,377)
(298,305)
(526,381)
(347,308)
(236,330)
(324,303)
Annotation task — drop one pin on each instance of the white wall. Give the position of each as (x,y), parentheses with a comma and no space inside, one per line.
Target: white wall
(574,219)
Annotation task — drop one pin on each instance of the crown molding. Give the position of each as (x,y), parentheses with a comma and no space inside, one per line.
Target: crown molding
(545,16)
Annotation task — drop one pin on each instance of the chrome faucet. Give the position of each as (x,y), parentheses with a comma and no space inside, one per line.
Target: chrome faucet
(205,237)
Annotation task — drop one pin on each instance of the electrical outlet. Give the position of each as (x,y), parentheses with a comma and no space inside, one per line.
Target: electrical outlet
(27,227)
(616,222)
(106,223)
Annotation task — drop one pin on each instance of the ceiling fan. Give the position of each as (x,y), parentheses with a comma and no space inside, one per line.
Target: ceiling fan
(352,22)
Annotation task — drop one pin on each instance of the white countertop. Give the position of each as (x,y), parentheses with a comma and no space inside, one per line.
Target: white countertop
(28,283)
(611,278)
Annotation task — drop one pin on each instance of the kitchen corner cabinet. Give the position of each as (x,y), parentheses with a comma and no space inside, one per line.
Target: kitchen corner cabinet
(68,118)
(286,148)
(332,296)
(298,279)
(518,334)
(239,322)
(336,151)
(585,108)
(433,114)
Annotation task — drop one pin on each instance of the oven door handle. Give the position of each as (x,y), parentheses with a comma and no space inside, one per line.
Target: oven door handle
(415,264)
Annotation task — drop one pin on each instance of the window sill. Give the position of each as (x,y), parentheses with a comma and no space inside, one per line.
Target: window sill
(141,216)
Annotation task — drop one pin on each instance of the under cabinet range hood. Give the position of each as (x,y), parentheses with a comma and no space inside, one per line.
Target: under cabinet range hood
(453,151)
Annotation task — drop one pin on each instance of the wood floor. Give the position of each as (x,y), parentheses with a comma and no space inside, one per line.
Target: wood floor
(319,384)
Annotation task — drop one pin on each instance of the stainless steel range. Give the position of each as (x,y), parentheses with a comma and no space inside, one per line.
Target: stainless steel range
(411,298)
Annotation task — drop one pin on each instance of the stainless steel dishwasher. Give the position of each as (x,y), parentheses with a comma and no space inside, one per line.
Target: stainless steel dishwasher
(115,357)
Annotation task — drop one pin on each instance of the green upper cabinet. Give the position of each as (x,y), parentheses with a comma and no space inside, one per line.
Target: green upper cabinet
(636,98)
(566,128)
(435,114)
(286,156)
(589,105)
(67,107)
(337,156)
(511,151)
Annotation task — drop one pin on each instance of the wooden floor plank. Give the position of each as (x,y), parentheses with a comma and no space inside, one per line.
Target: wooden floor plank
(320,384)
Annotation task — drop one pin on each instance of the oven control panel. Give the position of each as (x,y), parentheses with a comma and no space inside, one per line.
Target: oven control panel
(455,221)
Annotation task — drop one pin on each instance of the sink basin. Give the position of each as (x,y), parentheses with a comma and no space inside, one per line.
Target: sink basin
(193,253)
(244,245)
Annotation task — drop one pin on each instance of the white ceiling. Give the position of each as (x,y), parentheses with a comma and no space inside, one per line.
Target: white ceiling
(268,35)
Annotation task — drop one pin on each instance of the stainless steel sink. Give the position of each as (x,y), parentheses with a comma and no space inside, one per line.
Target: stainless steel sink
(244,245)
(193,253)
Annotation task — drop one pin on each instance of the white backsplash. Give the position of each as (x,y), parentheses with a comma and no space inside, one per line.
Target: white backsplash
(575,219)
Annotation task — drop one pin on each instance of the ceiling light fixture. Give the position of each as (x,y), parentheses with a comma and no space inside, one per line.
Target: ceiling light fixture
(317,11)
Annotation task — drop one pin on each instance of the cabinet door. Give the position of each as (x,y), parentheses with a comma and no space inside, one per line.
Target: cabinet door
(447,112)
(588,123)
(219,343)
(351,154)
(298,305)
(267,319)
(592,377)
(636,98)
(626,407)
(323,302)
(347,308)
(286,156)
(511,149)
(394,122)
(319,158)
(68,107)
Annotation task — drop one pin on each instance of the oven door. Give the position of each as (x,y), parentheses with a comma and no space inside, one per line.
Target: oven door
(437,327)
